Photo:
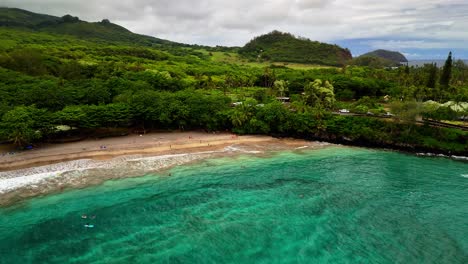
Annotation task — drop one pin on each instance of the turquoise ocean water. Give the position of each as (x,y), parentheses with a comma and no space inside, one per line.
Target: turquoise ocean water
(336,205)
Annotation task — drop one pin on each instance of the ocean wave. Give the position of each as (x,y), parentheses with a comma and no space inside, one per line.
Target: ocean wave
(459,157)
(443,156)
(75,171)
(10,184)
(303,147)
(238,149)
(63,166)
(86,171)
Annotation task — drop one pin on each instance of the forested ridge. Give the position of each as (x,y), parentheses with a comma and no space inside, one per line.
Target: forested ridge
(284,47)
(52,80)
(73,26)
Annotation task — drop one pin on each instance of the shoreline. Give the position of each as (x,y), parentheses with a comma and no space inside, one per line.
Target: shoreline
(105,149)
(402,148)
(51,169)
(54,168)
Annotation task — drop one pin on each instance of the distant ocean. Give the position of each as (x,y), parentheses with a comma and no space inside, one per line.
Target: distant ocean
(420,63)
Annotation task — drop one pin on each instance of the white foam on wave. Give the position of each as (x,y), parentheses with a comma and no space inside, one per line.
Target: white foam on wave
(237,149)
(68,171)
(232,148)
(443,156)
(72,171)
(303,147)
(146,164)
(459,157)
(9,184)
(464,175)
(172,156)
(36,176)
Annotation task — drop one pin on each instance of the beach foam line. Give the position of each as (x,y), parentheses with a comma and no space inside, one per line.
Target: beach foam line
(10,184)
(171,156)
(28,182)
(459,157)
(63,166)
(66,172)
(303,147)
(463,158)
(232,148)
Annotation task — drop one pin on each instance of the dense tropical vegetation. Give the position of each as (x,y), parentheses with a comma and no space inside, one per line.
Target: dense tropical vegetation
(51,80)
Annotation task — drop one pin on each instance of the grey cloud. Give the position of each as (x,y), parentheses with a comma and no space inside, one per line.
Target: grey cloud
(312,4)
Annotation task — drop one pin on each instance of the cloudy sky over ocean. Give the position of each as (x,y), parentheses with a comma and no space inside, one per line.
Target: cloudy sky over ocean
(421,29)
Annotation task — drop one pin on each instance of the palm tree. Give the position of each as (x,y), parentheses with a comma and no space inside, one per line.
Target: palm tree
(238,118)
(243,112)
(281,86)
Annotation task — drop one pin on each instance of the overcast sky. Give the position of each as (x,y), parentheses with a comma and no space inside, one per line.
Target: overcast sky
(418,28)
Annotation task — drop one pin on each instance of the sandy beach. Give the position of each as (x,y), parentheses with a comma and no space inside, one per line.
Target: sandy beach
(53,168)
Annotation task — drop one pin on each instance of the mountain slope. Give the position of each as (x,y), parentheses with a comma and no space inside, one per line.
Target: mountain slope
(14,17)
(284,47)
(393,56)
(69,25)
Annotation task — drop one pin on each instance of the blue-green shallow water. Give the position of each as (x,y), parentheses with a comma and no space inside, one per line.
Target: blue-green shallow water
(336,205)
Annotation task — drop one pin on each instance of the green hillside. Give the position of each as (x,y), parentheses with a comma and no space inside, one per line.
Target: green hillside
(14,17)
(393,56)
(69,25)
(284,47)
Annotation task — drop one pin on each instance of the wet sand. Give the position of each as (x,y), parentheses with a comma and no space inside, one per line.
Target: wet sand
(58,167)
